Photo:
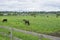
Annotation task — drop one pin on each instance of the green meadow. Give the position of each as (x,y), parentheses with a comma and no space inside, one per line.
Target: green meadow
(40,24)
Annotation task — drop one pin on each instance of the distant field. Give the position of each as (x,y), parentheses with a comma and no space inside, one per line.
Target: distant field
(40,24)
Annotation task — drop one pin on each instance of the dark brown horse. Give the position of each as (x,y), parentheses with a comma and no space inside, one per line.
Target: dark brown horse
(26,21)
(4,20)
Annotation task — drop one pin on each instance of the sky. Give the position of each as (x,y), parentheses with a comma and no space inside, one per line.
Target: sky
(29,5)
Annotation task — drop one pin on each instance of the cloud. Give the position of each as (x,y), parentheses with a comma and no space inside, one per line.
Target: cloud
(29,5)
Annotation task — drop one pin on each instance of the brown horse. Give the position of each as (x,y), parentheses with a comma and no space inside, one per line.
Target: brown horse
(26,21)
(4,20)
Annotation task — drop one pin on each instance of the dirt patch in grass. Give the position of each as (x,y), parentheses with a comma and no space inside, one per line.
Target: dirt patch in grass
(57,34)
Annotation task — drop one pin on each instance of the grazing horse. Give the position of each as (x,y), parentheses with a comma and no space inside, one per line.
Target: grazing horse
(26,21)
(4,20)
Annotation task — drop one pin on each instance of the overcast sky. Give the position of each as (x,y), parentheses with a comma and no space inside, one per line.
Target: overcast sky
(29,5)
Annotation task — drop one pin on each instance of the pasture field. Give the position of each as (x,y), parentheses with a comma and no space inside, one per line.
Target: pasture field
(40,24)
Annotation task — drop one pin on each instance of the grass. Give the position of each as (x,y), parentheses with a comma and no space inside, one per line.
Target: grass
(4,37)
(40,24)
(4,30)
(25,36)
